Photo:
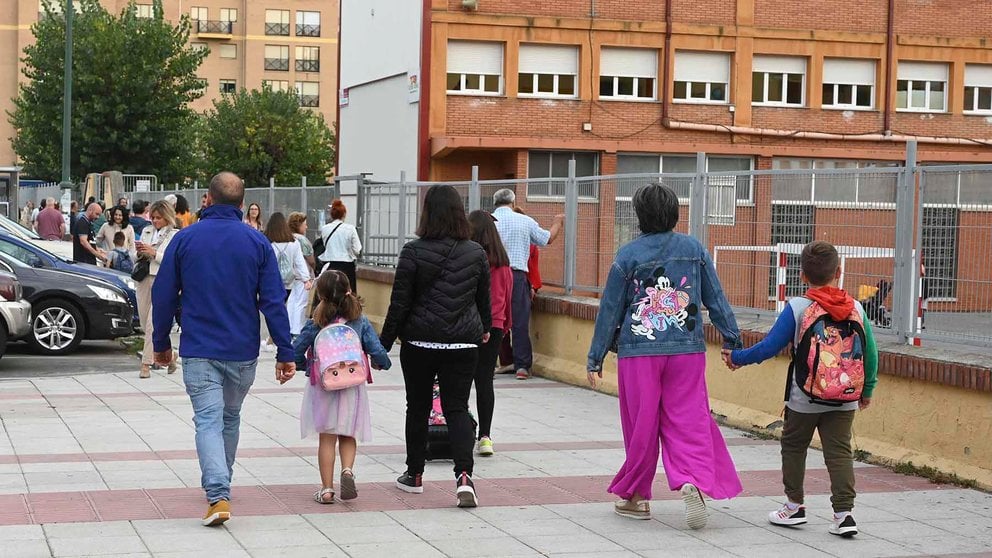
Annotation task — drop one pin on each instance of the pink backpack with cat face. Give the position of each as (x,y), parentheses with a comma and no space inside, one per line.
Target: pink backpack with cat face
(338,361)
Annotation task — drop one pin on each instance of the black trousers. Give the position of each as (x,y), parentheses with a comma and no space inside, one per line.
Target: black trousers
(454,370)
(485,397)
(348,268)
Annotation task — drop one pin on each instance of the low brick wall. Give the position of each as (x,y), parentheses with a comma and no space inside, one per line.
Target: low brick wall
(930,407)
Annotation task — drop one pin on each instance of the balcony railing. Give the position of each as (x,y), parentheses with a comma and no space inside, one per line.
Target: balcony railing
(217,27)
(303,30)
(308,65)
(277,64)
(309,100)
(277,29)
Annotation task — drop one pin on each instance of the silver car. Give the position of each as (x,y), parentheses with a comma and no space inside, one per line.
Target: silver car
(15,312)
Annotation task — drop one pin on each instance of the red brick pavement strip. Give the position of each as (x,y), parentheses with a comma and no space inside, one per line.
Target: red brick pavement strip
(307,451)
(188,503)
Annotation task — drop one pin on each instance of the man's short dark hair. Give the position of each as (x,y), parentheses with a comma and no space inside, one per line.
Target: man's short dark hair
(819,262)
(119,238)
(227,189)
(657,208)
(138,207)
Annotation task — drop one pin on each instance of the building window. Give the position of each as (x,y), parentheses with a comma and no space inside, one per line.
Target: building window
(198,46)
(199,14)
(58,7)
(548,71)
(636,163)
(940,252)
(276,85)
(844,182)
(228,86)
(307,59)
(277,22)
(978,88)
(778,81)
(628,73)
(922,87)
(791,224)
(277,58)
(848,83)
(307,24)
(229,15)
(146,11)
(553,165)
(309,92)
(228,51)
(701,77)
(475,68)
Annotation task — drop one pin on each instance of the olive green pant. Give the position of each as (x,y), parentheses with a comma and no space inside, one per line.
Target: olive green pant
(835,436)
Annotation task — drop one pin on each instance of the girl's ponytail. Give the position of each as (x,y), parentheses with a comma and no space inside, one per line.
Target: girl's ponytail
(336,299)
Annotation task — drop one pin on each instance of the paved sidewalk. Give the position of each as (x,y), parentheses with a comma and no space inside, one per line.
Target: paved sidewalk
(104,465)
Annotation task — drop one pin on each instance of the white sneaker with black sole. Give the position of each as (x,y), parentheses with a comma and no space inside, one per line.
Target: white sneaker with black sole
(788,516)
(695,506)
(844,526)
(465,491)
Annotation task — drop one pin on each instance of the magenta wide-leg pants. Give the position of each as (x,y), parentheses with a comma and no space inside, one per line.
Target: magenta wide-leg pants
(663,399)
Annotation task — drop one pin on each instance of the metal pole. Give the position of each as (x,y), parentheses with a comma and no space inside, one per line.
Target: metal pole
(272,195)
(474,196)
(571,227)
(401,208)
(697,201)
(303,196)
(67,97)
(903,289)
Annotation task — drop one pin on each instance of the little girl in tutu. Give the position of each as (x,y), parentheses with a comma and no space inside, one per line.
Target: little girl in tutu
(341,418)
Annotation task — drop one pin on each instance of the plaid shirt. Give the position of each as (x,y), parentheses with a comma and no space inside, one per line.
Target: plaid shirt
(518,232)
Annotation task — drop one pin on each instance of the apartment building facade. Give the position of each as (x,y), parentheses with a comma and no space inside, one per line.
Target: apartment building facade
(285,43)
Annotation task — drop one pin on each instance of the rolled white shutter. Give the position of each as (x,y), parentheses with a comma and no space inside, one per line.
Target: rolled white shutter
(923,71)
(779,64)
(978,75)
(475,57)
(629,62)
(849,71)
(549,59)
(712,67)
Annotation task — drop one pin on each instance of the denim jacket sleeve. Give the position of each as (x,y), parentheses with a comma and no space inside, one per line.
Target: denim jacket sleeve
(372,346)
(609,317)
(721,315)
(303,342)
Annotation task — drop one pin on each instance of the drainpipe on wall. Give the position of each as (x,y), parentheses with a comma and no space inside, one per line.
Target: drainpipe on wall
(423,125)
(666,66)
(337,95)
(889,49)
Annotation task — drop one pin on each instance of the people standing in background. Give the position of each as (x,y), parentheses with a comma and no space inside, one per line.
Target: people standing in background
(118,223)
(137,219)
(155,239)
(534,278)
(253,217)
(50,224)
(100,220)
(82,250)
(34,215)
(298,298)
(293,267)
(122,202)
(183,215)
(26,213)
(341,244)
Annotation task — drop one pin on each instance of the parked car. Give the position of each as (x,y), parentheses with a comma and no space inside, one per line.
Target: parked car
(15,312)
(69,307)
(36,256)
(61,248)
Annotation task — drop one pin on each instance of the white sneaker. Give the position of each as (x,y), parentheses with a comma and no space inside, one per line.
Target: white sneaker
(695,506)
(844,526)
(788,516)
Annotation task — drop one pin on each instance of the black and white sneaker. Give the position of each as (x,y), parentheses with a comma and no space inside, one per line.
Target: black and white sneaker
(465,491)
(414,484)
(844,526)
(788,516)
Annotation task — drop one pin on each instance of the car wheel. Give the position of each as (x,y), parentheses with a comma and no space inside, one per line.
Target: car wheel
(57,327)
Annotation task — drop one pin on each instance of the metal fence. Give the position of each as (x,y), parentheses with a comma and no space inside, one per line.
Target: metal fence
(915,241)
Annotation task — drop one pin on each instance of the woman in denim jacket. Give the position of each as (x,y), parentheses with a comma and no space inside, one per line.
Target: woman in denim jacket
(650,313)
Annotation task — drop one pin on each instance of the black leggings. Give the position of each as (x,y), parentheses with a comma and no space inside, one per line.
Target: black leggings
(485,397)
(348,268)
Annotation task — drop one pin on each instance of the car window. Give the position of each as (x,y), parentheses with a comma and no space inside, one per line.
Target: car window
(10,260)
(20,254)
(17,229)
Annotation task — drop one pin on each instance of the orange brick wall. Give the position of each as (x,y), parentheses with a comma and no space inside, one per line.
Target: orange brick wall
(841,15)
(630,10)
(954,18)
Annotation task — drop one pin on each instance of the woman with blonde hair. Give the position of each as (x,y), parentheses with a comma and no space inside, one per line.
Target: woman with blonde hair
(151,249)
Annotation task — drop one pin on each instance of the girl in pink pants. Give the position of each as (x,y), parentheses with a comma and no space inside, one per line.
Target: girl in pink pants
(649,314)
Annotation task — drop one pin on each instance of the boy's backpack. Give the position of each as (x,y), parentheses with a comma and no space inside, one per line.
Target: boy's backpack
(438,438)
(828,364)
(286,271)
(337,360)
(123,261)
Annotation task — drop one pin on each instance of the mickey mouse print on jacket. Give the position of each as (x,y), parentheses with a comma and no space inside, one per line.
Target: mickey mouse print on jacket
(651,304)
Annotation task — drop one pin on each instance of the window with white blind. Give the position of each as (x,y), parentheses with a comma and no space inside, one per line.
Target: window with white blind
(778,81)
(475,68)
(628,73)
(228,51)
(146,11)
(309,93)
(701,77)
(199,14)
(848,83)
(229,15)
(276,85)
(922,87)
(277,22)
(548,71)
(978,88)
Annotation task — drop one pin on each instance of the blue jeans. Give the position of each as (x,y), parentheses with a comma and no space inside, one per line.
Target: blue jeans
(523,357)
(217,388)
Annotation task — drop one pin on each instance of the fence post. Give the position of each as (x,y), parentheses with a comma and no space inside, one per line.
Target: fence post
(902,278)
(272,195)
(571,227)
(401,222)
(360,200)
(303,196)
(196,197)
(697,201)
(474,200)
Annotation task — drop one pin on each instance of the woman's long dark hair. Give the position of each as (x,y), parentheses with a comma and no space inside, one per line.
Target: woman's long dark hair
(443,215)
(277,229)
(484,232)
(125,222)
(336,299)
(182,205)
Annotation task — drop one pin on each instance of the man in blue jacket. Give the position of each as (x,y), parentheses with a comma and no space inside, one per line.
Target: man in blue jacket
(222,274)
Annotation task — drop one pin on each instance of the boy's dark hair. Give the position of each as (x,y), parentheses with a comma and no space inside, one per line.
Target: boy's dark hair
(119,238)
(443,215)
(819,262)
(657,208)
(336,298)
(138,207)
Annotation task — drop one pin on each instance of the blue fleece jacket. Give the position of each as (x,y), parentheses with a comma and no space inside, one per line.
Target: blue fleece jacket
(222,273)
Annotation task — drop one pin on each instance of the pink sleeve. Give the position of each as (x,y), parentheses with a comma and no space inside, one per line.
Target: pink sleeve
(501,289)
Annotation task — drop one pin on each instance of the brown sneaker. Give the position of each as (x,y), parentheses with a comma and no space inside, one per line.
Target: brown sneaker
(217,513)
(633,510)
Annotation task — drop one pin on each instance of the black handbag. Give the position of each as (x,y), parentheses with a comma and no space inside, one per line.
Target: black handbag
(141,269)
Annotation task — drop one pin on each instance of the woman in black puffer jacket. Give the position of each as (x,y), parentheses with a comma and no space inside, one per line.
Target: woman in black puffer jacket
(440,309)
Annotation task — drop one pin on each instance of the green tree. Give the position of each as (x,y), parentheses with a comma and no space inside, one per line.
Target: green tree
(260,134)
(133,80)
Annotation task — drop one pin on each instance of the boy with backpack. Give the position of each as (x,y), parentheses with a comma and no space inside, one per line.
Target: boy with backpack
(119,258)
(833,373)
